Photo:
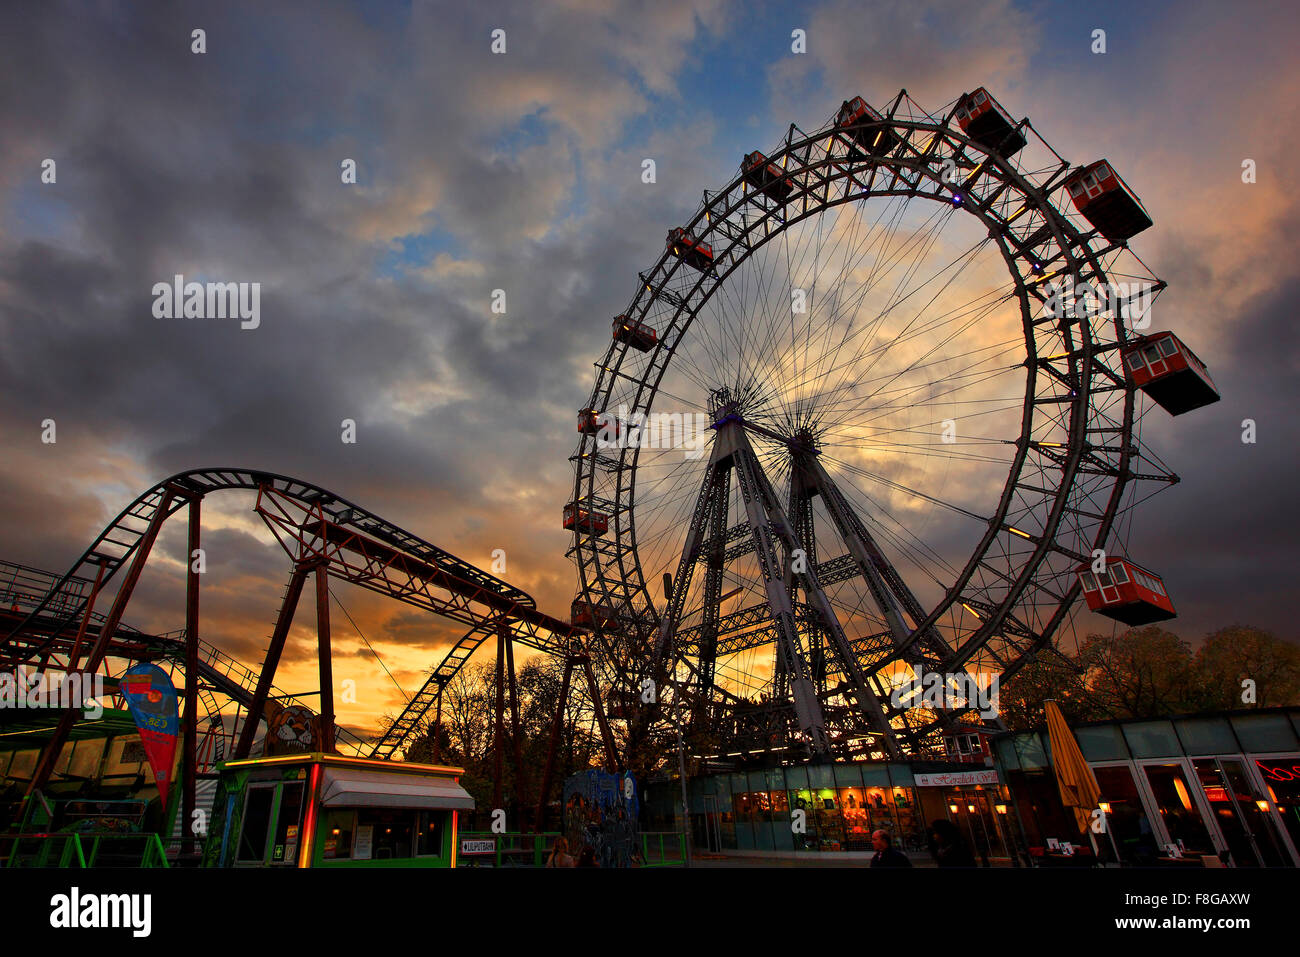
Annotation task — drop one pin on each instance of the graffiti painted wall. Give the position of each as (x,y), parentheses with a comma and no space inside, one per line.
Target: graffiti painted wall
(600,813)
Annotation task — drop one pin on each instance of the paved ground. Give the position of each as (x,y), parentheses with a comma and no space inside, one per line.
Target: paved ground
(808,860)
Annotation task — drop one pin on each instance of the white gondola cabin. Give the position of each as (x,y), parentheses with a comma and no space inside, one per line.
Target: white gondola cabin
(690,250)
(766,178)
(1169,372)
(982,119)
(1126,592)
(1106,201)
(865,127)
(635,333)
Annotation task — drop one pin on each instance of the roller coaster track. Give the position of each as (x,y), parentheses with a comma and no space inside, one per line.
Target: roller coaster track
(313,525)
(119,540)
(22,586)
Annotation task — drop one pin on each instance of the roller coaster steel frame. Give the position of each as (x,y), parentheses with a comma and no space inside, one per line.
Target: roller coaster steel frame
(323,534)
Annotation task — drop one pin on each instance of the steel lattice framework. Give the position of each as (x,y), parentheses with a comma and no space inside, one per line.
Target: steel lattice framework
(843,626)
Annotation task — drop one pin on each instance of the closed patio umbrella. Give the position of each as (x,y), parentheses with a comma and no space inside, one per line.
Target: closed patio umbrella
(1074,778)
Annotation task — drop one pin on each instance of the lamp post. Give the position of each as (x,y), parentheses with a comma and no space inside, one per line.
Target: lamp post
(681,771)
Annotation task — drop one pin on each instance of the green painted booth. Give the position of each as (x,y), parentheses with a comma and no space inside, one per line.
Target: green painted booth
(327,810)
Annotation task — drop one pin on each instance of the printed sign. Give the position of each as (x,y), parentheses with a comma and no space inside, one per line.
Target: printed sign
(949,779)
(365,840)
(472,846)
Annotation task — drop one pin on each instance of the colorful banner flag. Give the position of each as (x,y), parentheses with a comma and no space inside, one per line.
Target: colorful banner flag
(151,698)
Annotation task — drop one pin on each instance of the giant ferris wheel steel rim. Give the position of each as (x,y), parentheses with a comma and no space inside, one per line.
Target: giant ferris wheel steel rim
(1070,390)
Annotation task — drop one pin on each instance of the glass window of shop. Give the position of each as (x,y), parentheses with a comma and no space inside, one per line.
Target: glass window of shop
(1247,828)
(829,820)
(1262,733)
(1039,801)
(1031,752)
(1177,807)
(1153,739)
(743,817)
(1102,743)
(726,816)
(1210,735)
(972,810)
(1127,817)
(1281,777)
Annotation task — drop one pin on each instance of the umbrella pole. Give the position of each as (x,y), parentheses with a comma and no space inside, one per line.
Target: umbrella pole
(1096,853)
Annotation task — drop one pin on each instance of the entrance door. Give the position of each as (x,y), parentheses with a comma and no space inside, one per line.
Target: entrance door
(712,832)
(1258,821)
(1179,804)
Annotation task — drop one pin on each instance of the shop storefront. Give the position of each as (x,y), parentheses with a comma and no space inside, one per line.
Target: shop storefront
(1220,789)
(835,808)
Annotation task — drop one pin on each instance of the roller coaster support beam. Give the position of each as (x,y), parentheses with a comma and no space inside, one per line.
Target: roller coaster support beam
(70,714)
(75,656)
(539,820)
(189,743)
(612,763)
(324,658)
(258,705)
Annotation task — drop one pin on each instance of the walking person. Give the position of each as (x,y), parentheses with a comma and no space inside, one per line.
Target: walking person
(886,854)
(947,846)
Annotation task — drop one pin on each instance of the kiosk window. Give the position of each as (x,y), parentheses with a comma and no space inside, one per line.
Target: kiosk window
(285,848)
(257,820)
(338,834)
(429,841)
(390,830)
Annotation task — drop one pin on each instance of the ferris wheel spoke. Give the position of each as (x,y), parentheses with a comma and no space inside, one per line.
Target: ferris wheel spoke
(867,362)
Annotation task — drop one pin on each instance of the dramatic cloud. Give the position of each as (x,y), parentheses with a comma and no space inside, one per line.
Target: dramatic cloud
(521,172)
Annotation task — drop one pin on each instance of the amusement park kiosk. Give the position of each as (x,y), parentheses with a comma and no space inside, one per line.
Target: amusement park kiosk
(329,810)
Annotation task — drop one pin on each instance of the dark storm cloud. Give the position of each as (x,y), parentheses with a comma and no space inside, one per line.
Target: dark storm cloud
(519,172)
(225,166)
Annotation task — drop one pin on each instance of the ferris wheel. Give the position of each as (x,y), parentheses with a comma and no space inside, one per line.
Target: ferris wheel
(872,413)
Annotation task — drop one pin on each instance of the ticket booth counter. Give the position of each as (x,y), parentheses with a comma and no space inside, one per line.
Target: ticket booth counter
(327,810)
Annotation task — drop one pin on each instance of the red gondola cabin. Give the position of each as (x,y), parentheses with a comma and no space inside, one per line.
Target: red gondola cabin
(586,614)
(766,178)
(595,523)
(969,744)
(690,250)
(1165,369)
(1126,593)
(1106,201)
(590,422)
(982,119)
(635,333)
(867,128)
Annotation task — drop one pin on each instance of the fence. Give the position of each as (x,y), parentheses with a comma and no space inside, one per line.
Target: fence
(82,850)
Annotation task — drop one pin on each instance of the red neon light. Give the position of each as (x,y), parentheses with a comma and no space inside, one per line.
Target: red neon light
(1277,773)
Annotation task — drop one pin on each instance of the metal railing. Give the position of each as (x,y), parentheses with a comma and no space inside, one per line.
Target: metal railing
(82,850)
(663,849)
(514,849)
